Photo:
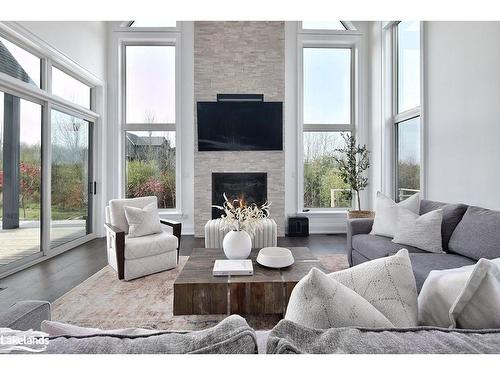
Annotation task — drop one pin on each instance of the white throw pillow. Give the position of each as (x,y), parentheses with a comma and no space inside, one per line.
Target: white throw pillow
(386,213)
(318,301)
(466,297)
(386,283)
(423,231)
(143,222)
(63,329)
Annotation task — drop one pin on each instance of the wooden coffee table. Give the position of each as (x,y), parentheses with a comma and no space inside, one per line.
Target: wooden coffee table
(197,292)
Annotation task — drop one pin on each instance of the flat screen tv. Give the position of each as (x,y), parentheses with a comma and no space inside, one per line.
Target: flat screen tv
(240,126)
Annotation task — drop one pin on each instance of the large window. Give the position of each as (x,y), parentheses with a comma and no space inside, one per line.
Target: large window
(407,124)
(150,125)
(46,179)
(327,111)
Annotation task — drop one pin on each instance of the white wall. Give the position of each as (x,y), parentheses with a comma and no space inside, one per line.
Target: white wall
(84,42)
(462,62)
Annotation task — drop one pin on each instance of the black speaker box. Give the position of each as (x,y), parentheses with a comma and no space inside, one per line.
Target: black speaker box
(298,227)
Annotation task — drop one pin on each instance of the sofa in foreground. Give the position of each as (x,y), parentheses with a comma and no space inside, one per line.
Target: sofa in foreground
(234,336)
(468,234)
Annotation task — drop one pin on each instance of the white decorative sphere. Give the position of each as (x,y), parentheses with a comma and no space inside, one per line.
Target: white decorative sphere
(237,244)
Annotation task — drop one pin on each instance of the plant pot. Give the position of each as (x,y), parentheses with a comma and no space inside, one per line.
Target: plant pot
(359,214)
(237,244)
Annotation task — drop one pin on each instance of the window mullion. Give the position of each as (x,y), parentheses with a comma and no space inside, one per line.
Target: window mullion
(327,127)
(150,127)
(406,115)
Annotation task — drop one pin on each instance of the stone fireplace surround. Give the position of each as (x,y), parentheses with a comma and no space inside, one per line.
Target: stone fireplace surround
(238,58)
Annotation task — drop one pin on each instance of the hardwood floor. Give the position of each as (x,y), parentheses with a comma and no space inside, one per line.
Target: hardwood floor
(51,279)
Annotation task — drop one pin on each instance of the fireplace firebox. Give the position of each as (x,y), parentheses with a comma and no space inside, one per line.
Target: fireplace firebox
(252,187)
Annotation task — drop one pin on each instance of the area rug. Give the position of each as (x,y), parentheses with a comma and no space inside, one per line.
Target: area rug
(102,301)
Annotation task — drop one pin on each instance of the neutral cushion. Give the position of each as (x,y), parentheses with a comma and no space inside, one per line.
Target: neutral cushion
(142,221)
(423,231)
(139,267)
(232,335)
(478,234)
(117,212)
(318,301)
(387,284)
(289,337)
(466,297)
(386,213)
(452,214)
(154,244)
(373,247)
(357,258)
(424,263)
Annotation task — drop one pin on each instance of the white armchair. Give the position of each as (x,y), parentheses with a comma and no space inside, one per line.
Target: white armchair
(139,256)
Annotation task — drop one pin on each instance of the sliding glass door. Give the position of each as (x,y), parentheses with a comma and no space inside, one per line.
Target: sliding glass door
(70,183)
(47,117)
(20,178)
(71,178)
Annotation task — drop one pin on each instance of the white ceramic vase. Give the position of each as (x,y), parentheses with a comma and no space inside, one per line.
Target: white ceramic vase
(237,244)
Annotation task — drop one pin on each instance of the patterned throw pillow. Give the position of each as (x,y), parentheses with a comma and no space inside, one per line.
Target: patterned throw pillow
(143,222)
(379,293)
(318,301)
(388,284)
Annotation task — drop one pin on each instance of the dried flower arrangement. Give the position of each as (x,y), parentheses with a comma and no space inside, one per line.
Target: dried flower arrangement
(240,216)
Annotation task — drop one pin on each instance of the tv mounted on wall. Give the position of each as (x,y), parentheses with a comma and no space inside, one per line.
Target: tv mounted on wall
(240,125)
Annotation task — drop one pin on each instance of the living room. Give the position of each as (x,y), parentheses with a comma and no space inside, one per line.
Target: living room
(287,183)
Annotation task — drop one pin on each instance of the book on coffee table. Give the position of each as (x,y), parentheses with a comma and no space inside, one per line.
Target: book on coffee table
(233,267)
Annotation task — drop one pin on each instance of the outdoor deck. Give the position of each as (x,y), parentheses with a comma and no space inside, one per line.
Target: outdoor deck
(16,244)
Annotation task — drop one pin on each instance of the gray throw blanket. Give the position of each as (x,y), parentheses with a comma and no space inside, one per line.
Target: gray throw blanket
(231,336)
(289,337)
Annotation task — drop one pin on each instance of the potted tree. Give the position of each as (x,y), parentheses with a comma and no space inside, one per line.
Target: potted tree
(353,161)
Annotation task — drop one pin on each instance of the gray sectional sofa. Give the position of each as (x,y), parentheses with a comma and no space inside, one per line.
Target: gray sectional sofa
(469,233)
(234,336)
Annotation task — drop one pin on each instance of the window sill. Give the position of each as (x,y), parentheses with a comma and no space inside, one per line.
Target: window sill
(342,212)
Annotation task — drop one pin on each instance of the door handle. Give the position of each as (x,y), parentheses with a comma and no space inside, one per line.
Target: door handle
(93,188)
